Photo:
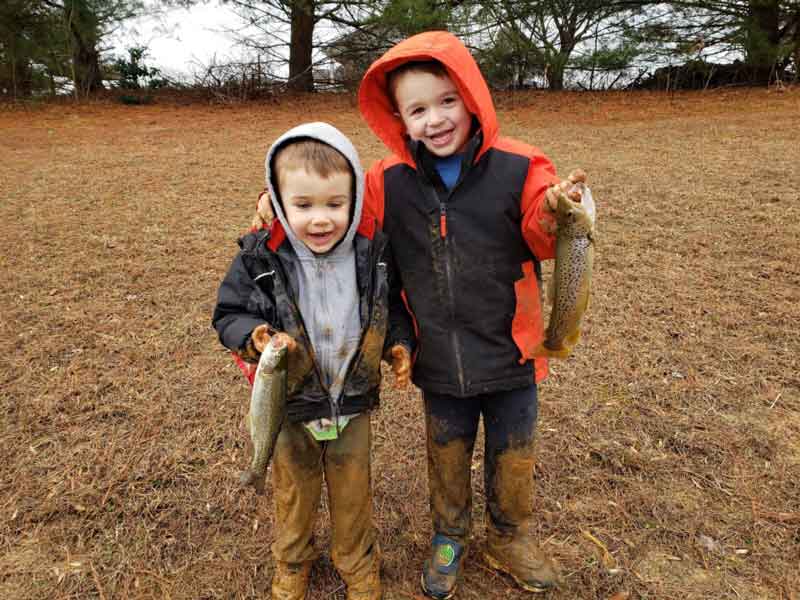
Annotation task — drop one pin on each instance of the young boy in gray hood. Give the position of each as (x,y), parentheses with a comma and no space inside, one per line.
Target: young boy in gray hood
(320,277)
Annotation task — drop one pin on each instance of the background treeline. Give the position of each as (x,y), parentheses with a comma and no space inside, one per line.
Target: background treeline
(49,47)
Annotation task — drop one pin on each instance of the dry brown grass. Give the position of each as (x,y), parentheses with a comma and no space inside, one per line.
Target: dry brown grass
(671,438)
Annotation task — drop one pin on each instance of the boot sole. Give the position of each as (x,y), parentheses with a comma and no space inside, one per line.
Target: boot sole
(534,589)
(431,594)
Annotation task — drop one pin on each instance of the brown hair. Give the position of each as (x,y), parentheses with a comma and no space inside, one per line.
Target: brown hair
(431,67)
(309,154)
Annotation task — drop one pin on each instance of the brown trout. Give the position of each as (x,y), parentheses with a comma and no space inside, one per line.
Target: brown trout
(572,275)
(267,411)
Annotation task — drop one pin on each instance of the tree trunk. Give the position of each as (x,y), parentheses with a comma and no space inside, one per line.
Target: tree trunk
(301,78)
(558,61)
(19,74)
(23,78)
(85,56)
(555,76)
(762,39)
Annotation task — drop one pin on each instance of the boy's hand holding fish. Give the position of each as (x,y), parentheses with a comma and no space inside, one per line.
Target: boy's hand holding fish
(398,356)
(569,187)
(261,337)
(401,365)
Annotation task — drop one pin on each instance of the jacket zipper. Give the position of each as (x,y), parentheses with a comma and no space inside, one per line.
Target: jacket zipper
(301,322)
(451,292)
(454,341)
(377,249)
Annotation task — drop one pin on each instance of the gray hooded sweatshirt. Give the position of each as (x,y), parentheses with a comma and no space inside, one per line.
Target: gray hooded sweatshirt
(327,293)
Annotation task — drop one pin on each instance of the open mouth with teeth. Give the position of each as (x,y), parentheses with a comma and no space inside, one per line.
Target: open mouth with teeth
(320,238)
(442,138)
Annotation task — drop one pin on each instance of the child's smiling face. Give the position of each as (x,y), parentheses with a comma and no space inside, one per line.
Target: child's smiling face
(317,208)
(433,112)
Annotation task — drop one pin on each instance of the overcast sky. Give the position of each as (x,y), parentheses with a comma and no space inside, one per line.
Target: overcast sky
(181,39)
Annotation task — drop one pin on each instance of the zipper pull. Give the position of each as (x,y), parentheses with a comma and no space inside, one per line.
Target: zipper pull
(443,220)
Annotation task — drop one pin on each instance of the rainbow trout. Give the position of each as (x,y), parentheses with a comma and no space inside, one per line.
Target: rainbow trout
(267,411)
(572,275)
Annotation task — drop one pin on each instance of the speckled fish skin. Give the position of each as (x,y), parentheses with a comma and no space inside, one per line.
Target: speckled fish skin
(572,275)
(267,411)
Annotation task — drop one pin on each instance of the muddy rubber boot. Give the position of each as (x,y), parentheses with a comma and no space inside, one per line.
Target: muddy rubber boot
(520,557)
(510,541)
(366,586)
(442,570)
(290,580)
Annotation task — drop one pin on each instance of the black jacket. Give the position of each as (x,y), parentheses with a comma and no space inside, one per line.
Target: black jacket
(260,287)
(461,285)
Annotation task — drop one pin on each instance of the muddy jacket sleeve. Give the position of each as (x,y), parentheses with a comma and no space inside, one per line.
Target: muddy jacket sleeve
(241,306)
(401,326)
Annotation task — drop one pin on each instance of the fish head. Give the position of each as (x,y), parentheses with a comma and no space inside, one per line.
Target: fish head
(274,354)
(575,219)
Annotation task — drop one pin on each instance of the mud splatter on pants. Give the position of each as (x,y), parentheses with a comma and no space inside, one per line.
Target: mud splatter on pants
(298,466)
(510,426)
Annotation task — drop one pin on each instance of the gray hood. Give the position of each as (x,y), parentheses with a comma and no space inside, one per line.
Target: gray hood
(333,137)
(327,288)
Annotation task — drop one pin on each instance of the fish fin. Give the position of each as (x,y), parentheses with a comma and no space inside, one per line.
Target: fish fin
(584,294)
(572,339)
(542,351)
(551,290)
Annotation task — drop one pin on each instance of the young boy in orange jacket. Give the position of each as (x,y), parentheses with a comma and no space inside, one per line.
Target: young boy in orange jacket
(469,216)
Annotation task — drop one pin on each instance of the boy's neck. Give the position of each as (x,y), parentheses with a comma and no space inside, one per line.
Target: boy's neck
(427,161)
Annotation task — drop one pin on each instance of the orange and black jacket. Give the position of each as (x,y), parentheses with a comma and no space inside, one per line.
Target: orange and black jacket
(469,257)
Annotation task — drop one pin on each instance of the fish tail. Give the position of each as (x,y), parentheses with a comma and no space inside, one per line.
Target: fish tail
(572,339)
(247,477)
(542,351)
(250,477)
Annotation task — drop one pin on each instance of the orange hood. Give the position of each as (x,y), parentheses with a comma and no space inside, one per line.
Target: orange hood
(377,108)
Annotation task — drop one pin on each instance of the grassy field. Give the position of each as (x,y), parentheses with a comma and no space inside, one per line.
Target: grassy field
(669,444)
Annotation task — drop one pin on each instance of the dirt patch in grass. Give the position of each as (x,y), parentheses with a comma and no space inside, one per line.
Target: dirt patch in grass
(669,444)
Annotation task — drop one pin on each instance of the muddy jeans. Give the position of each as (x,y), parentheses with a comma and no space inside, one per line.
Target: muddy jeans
(509,420)
(298,466)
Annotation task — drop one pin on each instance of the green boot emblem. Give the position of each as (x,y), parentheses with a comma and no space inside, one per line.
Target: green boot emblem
(445,555)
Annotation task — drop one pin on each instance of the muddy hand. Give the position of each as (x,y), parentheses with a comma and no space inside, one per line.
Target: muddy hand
(568,187)
(261,338)
(401,365)
(577,176)
(264,215)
